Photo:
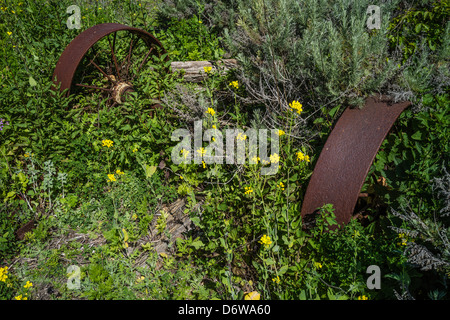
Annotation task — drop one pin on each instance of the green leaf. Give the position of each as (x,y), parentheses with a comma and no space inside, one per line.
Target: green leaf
(417,135)
(302,295)
(334,110)
(418,27)
(32,82)
(149,170)
(197,244)
(282,270)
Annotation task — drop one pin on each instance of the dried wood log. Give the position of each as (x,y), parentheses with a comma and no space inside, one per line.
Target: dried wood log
(195,72)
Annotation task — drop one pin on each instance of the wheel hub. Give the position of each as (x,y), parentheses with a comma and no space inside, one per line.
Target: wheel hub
(120,91)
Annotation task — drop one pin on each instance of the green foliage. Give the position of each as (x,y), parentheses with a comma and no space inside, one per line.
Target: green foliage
(189,40)
(421,22)
(413,154)
(100,204)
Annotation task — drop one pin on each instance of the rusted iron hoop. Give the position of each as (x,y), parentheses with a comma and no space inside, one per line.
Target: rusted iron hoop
(73,54)
(346,157)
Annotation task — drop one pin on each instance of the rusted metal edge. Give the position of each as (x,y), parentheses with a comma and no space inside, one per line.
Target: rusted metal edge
(79,46)
(348,153)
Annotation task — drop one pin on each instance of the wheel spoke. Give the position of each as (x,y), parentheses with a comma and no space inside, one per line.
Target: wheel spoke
(142,63)
(103,72)
(128,57)
(92,87)
(113,47)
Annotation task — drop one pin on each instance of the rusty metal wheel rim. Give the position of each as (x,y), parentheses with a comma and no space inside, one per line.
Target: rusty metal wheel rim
(86,61)
(345,160)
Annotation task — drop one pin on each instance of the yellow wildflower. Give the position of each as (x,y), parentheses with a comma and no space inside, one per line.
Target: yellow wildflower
(254,295)
(241,136)
(248,190)
(403,238)
(202,151)
(302,157)
(274,158)
(214,126)
(281,132)
(363,297)
(295,105)
(256,159)
(317,265)
(204,165)
(265,240)
(207,69)
(119,172)
(280,185)
(9,33)
(111,177)
(135,150)
(185,153)
(107,143)
(234,84)
(211,111)
(19,297)
(3,274)
(276,280)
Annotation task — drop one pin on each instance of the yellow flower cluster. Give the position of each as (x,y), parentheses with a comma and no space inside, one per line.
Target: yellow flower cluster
(276,280)
(317,265)
(211,111)
(135,150)
(281,133)
(24,297)
(248,190)
(256,159)
(297,106)
(402,236)
(185,153)
(111,177)
(241,136)
(3,274)
(274,158)
(302,157)
(207,69)
(119,172)
(363,297)
(234,84)
(280,185)
(202,151)
(107,143)
(265,240)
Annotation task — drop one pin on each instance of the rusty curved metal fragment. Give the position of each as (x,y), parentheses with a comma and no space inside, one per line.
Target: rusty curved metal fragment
(347,155)
(79,46)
